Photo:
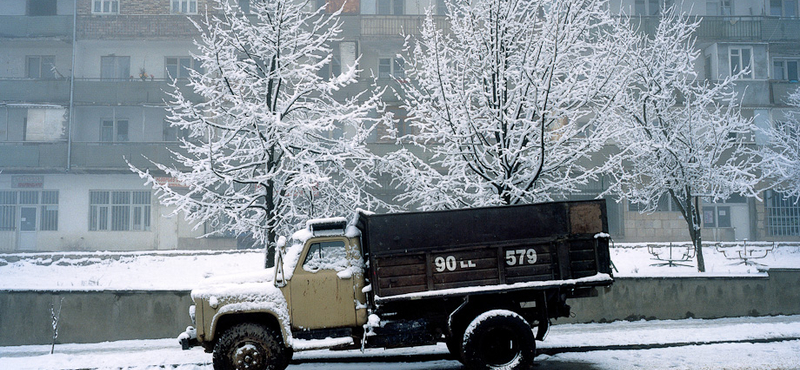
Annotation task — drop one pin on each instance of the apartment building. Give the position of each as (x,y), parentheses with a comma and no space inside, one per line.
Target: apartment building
(82,94)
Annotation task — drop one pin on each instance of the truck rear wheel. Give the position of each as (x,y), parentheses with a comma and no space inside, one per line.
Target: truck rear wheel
(250,346)
(498,340)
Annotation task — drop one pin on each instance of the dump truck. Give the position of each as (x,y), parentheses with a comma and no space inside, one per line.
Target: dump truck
(485,281)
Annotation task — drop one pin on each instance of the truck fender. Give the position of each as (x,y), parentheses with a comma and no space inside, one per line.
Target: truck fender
(260,312)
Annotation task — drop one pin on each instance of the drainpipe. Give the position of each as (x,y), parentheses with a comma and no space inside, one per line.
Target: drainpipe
(72,84)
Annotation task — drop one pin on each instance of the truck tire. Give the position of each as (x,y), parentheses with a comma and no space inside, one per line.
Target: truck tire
(250,346)
(498,340)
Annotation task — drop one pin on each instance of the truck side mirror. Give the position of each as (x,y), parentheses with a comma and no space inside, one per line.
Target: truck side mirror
(280,250)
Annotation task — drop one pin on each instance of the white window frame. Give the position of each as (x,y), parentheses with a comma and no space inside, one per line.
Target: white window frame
(785,69)
(105,6)
(784,5)
(396,68)
(736,52)
(395,7)
(120,210)
(183,6)
(43,72)
(647,6)
(180,72)
(115,124)
(46,202)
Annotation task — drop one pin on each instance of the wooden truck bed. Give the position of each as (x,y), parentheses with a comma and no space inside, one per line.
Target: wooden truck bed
(472,250)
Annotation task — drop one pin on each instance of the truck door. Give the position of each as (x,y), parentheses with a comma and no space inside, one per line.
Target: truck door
(320,298)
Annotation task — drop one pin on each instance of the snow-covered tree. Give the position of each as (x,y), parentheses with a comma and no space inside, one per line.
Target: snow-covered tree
(268,146)
(508,99)
(782,154)
(678,136)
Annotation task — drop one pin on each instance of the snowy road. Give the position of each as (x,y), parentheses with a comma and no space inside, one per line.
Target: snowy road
(765,343)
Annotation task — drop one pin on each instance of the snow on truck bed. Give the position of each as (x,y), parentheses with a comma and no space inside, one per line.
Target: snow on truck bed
(184,270)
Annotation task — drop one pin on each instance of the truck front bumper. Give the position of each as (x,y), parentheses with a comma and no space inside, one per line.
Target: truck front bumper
(188,338)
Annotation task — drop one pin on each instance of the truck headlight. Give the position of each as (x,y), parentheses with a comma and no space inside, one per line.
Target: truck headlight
(192,315)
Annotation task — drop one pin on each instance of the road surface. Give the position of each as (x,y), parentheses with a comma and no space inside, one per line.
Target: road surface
(749,343)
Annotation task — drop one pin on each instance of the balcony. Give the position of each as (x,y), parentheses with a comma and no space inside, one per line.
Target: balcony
(780,91)
(90,156)
(744,28)
(780,29)
(135,91)
(52,156)
(33,156)
(731,28)
(138,26)
(20,26)
(394,25)
(34,91)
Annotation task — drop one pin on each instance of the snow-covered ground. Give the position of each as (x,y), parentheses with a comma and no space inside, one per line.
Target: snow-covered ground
(183,270)
(734,343)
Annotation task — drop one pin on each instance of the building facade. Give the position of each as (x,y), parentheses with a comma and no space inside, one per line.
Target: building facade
(82,95)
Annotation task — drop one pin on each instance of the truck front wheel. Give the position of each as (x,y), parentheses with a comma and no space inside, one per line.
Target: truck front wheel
(250,346)
(498,340)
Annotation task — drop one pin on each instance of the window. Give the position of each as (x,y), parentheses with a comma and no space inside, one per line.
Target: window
(783,214)
(719,7)
(391,7)
(391,68)
(49,215)
(180,67)
(333,68)
(183,6)
(41,7)
(326,256)
(741,60)
(172,133)
(8,210)
(114,130)
(649,7)
(115,68)
(785,70)
(716,216)
(40,67)
(441,8)
(22,205)
(105,6)
(783,8)
(119,210)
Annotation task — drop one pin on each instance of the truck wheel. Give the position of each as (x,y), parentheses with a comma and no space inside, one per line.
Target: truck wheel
(498,340)
(250,346)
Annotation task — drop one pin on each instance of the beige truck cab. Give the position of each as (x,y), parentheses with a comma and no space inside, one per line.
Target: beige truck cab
(316,288)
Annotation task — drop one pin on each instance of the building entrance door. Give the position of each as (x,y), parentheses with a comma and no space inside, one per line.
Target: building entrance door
(27,229)
(740,220)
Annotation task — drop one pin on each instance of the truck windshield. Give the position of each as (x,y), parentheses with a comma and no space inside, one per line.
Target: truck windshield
(326,256)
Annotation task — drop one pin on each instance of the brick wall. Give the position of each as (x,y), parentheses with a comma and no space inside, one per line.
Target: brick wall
(655,227)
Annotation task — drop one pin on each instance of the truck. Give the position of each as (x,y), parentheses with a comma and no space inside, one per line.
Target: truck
(485,281)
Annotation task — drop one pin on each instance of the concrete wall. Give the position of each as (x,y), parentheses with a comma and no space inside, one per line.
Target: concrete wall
(118,315)
(88,317)
(695,297)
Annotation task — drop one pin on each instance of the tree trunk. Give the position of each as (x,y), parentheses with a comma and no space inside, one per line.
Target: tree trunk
(269,260)
(698,240)
(690,210)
